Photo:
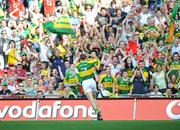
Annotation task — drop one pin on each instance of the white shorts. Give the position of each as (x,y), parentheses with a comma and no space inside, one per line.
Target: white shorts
(89,85)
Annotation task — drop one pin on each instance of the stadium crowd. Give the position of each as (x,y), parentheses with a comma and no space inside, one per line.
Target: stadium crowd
(131,43)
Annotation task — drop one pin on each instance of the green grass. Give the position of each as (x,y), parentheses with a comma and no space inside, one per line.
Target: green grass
(90,125)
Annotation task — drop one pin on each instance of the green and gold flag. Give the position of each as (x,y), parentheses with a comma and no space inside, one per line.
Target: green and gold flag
(170,37)
(60,26)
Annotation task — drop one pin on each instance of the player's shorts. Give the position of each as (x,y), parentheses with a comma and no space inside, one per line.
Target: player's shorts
(89,85)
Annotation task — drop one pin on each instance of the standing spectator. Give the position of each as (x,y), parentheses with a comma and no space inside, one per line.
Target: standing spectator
(28,86)
(138,79)
(56,61)
(72,79)
(108,80)
(20,72)
(117,65)
(12,52)
(5,28)
(90,13)
(176,46)
(159,78)
(4,45)
(144,15)
(123,84)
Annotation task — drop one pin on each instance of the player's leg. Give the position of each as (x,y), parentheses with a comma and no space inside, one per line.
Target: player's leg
(88,92)
(94,90)
(90,97)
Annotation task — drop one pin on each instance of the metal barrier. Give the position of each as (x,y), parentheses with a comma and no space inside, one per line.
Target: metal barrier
(58,97)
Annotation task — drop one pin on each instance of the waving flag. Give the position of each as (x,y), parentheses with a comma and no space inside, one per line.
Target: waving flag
(16,6)
(170,37)
(49,6)
(60,26)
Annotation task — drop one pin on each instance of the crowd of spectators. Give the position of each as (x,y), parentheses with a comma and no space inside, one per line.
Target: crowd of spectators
(127,38)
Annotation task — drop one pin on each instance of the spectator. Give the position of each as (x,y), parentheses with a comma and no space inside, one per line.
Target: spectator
(72,80)
(125,35)
(51,93)
(60,90)
(68,93)
(108,81)
(138,79)
(20,90)
(123,84)
(4,45)
(168,93)
(155,92)
(20,72)
(159,78)
(41,85)
(5,91)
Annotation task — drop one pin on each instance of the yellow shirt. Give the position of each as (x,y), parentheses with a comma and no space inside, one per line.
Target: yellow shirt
(12,57)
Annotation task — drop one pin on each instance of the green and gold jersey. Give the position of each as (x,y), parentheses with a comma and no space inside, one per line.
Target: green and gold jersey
(147,76)
(86,69)
(130,72)
(108,81)
(71,78)
(124,85)
(175,65)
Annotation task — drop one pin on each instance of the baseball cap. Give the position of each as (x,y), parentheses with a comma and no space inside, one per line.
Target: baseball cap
(4,83)
(18,63)
(28,74)
(23,54)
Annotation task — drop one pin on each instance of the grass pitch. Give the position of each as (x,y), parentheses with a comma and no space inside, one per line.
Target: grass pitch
(90,125)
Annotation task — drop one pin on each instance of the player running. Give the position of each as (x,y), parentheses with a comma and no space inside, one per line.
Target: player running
(87,73)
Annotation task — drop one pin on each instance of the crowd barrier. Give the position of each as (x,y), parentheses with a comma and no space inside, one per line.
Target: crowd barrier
(80,109)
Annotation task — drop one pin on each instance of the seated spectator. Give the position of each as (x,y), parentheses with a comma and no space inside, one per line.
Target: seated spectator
(155,92)
(60,90)
(168,93)
(20,90)
(39,94)
(41,85)
(28,85)
(34,90)
(5,91)
(51,93)
(68,93)
(103,93)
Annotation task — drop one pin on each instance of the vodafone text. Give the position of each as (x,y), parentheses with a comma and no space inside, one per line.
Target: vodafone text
(57,110)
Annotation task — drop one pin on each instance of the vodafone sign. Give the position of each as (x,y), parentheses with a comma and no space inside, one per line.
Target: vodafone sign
(118,109)
(32,111)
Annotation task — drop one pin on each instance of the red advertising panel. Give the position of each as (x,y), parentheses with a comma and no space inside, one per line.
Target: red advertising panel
(119,109)
(157,109)
(64,110)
